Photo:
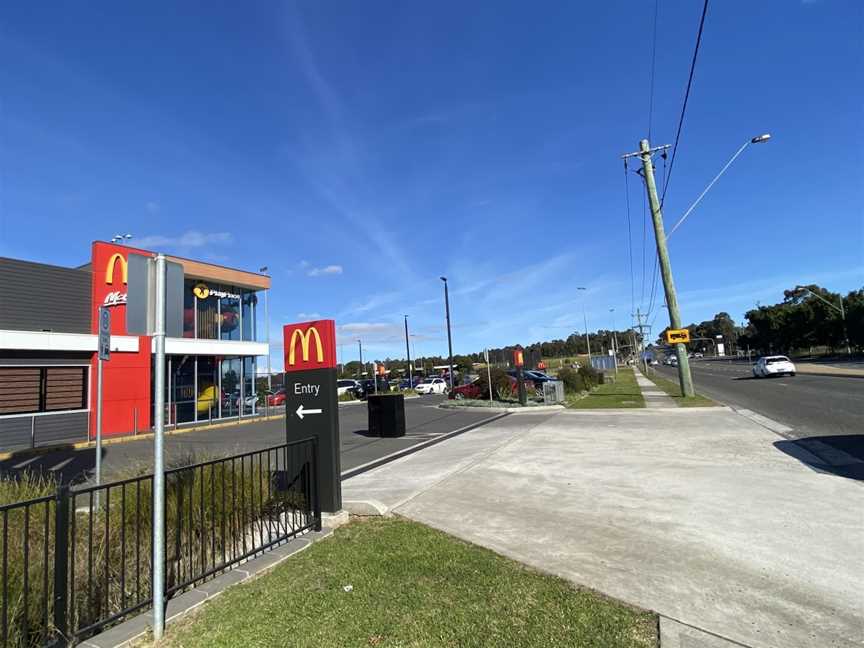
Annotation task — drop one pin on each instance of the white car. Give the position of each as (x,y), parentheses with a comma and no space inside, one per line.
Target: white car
(345,386)
(773,366)
(432,386)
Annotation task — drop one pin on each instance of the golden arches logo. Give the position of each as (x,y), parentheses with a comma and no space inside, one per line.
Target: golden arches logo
(305,339)
(124,269)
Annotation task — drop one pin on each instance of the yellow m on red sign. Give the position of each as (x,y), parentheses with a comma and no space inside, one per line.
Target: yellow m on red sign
(109,270)
(305,338)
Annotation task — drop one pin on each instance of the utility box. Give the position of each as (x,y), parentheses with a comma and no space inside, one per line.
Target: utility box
(386,415)
(553,392)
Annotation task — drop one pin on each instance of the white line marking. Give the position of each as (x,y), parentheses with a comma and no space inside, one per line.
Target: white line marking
(25,462)
(62,464)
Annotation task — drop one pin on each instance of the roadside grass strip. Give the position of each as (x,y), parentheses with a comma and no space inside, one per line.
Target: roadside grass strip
(673,390)
(624,392)
(391,582)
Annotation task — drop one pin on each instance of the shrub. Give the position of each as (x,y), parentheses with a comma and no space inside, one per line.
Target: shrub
(500,384)
(589,376)
(573,380)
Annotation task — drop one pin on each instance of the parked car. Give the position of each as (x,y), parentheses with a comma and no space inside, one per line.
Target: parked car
(432,386)
(699,354)
(346,386)
(276,398)
(773,366)
(367,386)
(406,384)
(478,390)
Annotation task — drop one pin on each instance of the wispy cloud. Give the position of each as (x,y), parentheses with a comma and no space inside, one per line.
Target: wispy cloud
(190,239)
(309,316)
(324,271)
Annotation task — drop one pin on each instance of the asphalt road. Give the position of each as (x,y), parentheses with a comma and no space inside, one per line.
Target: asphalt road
(424,421)
(813,406)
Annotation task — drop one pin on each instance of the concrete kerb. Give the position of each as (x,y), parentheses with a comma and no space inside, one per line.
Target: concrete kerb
(538,409)
(135,629)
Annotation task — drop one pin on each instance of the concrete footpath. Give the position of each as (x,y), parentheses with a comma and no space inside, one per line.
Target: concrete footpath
(653,395)
(691,513)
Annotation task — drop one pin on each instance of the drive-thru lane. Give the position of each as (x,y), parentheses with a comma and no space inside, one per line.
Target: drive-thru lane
(424,422)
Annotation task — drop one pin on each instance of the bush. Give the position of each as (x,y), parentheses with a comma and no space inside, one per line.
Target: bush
(590,376)
(500,384)
(573,381)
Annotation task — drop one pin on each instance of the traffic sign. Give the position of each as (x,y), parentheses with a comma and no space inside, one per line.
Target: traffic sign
(104,333)
(678,336)
(311,404)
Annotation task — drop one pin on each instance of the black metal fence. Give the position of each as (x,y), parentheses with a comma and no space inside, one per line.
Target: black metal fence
(77,561)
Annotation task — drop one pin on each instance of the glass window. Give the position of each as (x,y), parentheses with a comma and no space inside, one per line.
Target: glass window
(250,396)
(250,307)
(230,371)
(208,389)
(188,308)
(182,389)
(208,314)
(229,313)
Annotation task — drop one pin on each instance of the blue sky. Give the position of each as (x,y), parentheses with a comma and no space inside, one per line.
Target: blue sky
(361,150)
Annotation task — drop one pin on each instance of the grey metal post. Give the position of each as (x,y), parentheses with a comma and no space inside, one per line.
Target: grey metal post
(33,431)
(449,338)
(587,339)
(267,323)
(614,341)
(408,353)
(488,376)
(159,457)
(98,426)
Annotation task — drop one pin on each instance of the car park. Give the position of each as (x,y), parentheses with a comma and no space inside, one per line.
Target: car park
(276,398)
(477,390)
(768,366)
(347,386)
(432,386)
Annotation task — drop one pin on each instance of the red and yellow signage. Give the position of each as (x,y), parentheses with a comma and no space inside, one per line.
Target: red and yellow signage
(310,345)
(518,358)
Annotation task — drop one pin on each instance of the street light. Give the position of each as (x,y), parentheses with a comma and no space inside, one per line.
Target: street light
(449,339)
(585,317)
(262,270)
(408,353)
(759,139)
(360,370)
(121,238)
(840,309)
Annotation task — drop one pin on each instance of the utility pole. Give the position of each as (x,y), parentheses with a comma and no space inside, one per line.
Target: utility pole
(645,151)
(641,326)
(360,370)
(449,339)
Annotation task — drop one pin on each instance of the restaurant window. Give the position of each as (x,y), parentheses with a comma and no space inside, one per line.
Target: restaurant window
(33,390)
(250,397)
(208,318)
(188,309)
(229,313)
(249,314)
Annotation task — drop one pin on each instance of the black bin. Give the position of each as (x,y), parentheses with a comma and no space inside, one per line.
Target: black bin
(386,415)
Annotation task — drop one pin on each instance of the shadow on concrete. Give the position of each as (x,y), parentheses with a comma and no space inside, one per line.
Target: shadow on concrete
(366,433)
(64,465)
(841,455)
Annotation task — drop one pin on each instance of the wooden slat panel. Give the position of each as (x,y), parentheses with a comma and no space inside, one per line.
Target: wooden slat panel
(207,271)
(19,389)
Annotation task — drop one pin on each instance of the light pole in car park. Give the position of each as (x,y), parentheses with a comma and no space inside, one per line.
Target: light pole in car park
(408,353)
(585,317)
(262,270)
(449,339)
(360,370)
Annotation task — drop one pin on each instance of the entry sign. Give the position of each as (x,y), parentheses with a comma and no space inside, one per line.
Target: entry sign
(104,333)
(311,405)
(678,336)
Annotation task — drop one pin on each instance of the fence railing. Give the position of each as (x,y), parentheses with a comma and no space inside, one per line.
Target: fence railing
(77,561)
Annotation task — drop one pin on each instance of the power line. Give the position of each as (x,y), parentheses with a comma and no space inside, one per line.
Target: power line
(686,97)
(629,237)
(653,60)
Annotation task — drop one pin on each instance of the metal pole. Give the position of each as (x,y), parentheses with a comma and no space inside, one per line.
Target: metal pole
(360,370)
(587,340)
(488,375)
(845,330)
(684,377)
(408,352)
(98,426)
(267,336)
(159,458)
(449,339)
(614,341)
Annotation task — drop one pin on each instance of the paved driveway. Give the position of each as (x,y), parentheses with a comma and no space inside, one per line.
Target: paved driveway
(697,514)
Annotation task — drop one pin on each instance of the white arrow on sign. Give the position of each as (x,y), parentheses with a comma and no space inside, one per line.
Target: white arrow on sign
(302,412)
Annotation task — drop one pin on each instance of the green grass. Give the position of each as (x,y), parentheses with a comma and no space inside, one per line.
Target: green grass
(412,587)
(624,392)
(674,390)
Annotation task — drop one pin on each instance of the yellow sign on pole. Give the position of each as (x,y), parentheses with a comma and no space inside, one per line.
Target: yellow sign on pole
(678,336)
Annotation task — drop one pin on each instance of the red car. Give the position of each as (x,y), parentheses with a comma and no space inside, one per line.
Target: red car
(473,390)
(277,398)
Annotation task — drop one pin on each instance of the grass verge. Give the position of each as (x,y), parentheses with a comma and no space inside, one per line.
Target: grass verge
(411,586)
(624,392)
(673,390)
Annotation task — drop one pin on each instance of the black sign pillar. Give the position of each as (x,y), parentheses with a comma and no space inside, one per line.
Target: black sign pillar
(311,404)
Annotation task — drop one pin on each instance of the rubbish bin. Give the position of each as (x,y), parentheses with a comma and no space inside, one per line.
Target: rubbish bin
(386,415)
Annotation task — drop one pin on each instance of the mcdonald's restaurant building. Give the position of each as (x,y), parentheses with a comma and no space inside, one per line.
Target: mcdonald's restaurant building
(48,341)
